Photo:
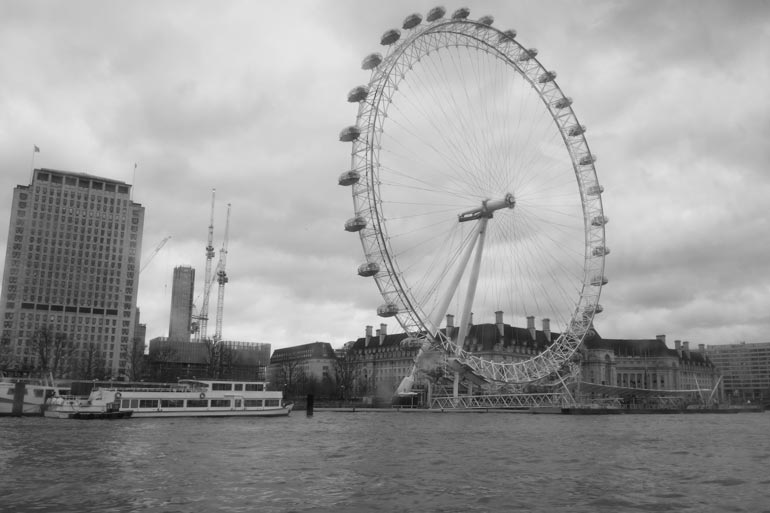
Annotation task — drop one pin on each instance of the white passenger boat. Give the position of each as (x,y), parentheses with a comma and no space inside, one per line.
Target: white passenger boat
(188,398)
(26,396)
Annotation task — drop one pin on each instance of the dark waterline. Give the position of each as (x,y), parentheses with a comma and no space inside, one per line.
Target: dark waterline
(421,462)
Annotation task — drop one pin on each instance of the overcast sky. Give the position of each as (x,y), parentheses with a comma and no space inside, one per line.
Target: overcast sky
(249,98)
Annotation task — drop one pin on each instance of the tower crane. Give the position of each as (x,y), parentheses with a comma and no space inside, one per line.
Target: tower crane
(222,279)
(154,252)
(203,316)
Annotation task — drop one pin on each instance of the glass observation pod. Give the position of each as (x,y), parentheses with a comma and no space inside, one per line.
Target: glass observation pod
(390,37)
(355,224)
(487,20)
(358,94)
(350,134)
(435,14)
(600,220)
(371,61)
(563,103)
(349,177)
(508,35)
(461,13)
(595,190)
(412,21)
(548,76)
(528,54)
(576,130)
(368,269)
(600,251)
(599,280)
(387,310)
(587,160)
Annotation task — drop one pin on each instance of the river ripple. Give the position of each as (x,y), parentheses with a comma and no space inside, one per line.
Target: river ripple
(415,461)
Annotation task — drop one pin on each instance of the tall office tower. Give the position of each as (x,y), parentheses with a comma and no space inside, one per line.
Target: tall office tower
(181,304)
(72,267)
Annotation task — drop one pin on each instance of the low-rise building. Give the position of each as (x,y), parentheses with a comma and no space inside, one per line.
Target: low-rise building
(745,370)
(170,360)
(304,369)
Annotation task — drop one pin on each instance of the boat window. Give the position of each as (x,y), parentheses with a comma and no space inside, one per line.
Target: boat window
(172,403)
(238,386)
(253,403)
(38,392)
(148,403)
(237,403)
(10,391)
(221,386)
(134,403)
(197,403)
(272,402)
(254,387)
(125,403)
(220,403)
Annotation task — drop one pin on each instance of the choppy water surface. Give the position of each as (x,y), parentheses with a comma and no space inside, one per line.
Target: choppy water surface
(357,462)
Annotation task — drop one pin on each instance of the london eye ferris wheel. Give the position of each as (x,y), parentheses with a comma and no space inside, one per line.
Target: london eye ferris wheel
(474,190)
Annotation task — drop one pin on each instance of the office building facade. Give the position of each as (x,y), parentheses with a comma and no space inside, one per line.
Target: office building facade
(72,268)
(745,370)
(182,289)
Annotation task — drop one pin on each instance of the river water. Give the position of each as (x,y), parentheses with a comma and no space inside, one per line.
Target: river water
(389,462)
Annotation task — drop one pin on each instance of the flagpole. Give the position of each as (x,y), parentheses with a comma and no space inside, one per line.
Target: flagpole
(133,181)
(35,149)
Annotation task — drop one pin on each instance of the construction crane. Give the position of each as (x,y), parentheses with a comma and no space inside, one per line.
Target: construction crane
(155,252)
(222,279)
(203,315)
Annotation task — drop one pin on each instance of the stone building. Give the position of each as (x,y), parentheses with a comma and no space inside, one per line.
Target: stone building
(302,369)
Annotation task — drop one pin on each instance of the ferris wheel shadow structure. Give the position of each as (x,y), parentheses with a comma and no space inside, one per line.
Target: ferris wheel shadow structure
(474,189)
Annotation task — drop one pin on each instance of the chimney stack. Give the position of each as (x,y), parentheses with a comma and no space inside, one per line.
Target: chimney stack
(531,325)
(678,345)
(686,347)
(547,329)
(661,338)
(368,335)
(382,332)
(701,348)
(499,322)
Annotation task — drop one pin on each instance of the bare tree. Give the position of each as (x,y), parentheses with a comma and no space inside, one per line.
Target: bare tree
(51,348)
(346,372)
(136,360)
(91,363)
(7,358)
(291,374)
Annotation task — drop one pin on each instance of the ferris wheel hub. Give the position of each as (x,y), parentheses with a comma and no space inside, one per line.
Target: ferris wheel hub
(488,207)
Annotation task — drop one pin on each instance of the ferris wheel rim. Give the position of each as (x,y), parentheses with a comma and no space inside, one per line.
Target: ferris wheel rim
(387,72)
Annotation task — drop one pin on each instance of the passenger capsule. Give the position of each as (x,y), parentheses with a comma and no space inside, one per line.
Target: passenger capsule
(349,177)
(587,160)
(390,37)
(563,103)
(487,20)
(528,54)
(595,190)
(461,13)
(548,76)
(387,310)
(412,21)
(358,94)
(355,224)
(350,133)
(508,35)
(371,61)
(368,269)
(600,220)
(435,14)
(600,251)
(576,130)
(599,280)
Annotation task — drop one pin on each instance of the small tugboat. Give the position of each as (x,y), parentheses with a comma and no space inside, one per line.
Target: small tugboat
(187,398)
(24,396)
